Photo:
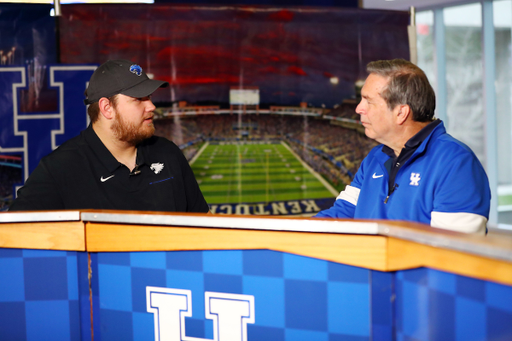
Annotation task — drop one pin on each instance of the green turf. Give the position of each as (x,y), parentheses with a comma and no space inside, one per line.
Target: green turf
(248,173)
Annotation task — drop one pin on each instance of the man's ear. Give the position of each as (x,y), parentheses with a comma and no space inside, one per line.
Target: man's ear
(403,111)
(106,108)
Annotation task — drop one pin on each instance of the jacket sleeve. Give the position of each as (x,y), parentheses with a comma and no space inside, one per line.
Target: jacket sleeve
(462,197)
(344,206)
(346,202)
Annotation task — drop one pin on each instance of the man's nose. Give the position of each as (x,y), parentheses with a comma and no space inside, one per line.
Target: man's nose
(150,106)
(359,108)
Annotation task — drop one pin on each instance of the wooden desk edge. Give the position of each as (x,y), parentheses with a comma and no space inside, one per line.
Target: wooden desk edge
(66,236)
(375,252)
(358,250)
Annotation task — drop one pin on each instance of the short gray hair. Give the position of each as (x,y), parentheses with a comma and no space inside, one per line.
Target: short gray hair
(407,84)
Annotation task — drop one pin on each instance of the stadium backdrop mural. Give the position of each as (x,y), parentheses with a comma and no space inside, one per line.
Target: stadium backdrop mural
(261,99)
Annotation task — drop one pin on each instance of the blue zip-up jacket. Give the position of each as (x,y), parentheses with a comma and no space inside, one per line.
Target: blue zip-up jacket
(443,184)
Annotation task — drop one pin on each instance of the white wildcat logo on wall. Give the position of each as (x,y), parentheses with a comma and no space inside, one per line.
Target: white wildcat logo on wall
(230,314)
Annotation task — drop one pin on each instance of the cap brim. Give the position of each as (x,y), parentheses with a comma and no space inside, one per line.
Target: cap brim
(144,88)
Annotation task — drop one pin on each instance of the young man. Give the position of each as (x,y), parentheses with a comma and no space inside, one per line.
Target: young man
(116,163)
(419,172)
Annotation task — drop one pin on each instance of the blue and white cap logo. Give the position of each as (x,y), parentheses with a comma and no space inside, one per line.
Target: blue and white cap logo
(136,69)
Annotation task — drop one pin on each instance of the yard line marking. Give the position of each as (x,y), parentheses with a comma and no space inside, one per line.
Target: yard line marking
(198,153)
(239,173)
(312,171)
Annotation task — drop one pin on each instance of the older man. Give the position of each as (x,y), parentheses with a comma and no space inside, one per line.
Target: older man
(116,163)
(419,172)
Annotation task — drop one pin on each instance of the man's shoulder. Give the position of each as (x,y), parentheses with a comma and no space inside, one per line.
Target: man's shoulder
(446,153)
(447,144)
(69,148)
(160,147)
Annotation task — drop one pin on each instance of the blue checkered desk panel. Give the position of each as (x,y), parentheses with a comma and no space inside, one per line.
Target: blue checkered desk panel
(298,298)
(39,296)
(435,305)
(44,295)
(295,298)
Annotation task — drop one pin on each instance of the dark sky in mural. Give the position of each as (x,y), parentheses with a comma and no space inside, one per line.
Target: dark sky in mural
(290,54)
(28,32)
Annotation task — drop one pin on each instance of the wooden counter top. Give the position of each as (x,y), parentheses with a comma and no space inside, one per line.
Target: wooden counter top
(377,245)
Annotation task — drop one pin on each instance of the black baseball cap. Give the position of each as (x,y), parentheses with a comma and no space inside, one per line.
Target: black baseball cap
(120,77)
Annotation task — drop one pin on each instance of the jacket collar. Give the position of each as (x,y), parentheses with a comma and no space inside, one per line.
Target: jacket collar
(438,129)
(418,141)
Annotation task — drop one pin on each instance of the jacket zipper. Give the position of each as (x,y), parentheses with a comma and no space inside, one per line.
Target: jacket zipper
(390,192)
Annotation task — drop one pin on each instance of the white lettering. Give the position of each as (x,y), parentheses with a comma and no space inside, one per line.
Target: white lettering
(278,208)
(170,306)
(230,314)
(259,209)
(228,209)
(295,206)
(310,206)
(243,209)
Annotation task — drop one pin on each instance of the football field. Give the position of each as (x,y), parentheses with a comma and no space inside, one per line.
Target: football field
(250,173)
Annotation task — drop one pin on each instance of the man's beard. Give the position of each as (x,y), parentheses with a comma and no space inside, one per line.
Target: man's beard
(129,132)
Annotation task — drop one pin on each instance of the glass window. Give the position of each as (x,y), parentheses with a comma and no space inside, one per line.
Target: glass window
(464,76)
(502,27)
(425,43)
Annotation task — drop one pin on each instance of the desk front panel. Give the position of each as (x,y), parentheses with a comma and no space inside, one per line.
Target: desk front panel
(44,295)
(293,297)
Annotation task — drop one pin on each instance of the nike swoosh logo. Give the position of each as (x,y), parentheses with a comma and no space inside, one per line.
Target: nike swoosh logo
(375,176)
(105,179)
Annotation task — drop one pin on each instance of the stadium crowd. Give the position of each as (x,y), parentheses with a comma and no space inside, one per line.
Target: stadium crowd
(318,142)
(347,109)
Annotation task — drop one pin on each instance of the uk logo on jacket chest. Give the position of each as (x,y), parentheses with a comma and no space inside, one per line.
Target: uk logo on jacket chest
(415,179)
